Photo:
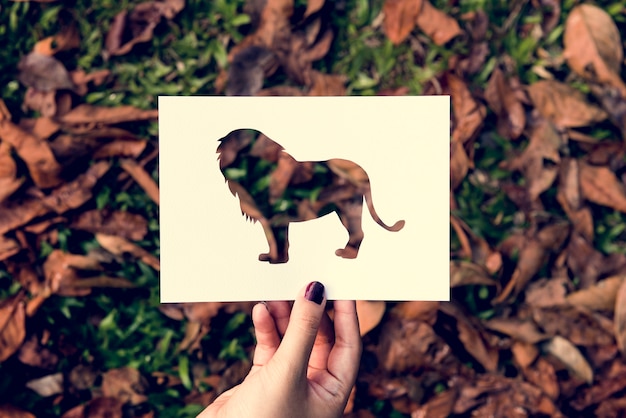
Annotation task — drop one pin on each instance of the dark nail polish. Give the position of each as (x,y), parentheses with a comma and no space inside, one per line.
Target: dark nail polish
(315,292)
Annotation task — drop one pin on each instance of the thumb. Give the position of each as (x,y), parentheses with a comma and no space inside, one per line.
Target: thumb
(306,314)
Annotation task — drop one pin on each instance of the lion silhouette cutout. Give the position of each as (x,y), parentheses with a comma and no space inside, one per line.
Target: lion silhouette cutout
(275,189)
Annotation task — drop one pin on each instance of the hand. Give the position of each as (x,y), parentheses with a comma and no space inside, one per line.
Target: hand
(310,373)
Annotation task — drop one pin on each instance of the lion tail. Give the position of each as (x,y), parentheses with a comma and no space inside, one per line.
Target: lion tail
(370,206)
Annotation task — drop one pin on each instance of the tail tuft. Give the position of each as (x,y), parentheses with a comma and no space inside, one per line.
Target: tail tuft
(397,226)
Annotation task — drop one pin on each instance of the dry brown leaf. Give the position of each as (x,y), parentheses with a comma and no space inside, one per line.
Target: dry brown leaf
(472,336)
(439,27)
(570,197)
(313,6)
(81,79)
(593,47)
(60,276)
(600,185)
(563,105)
(102,407)
(439,405)
(86,114)
(8,247)
(118,246)
(459,164)
(9,182)
(12,325)
(75,193)
(10,411)
(44,73)
(620,318)
(598,297)
(42,166)
(506,105)
(547,292)
(400,18)
(518,329)
(543,375)
(144,179)
(468,114)
(578,326)
(327,84)
(126,384)
(35,354)
(68,38)
(540,160)
(524,353)
(370,313)
(404,344)
(121,148)
(417,310)
(48,385)
(123,224)
(463,273)
(570,356)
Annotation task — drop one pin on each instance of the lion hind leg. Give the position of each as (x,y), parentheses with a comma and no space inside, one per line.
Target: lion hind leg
(350,212)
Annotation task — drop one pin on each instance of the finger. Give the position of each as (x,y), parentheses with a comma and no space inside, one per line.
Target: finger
(343,361)
(304,322)
(281,311)
(323,344)
(266,334)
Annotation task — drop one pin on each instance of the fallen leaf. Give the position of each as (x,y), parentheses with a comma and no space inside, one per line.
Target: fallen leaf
(121,148)
(43,73)
(547,292)
(119,246)
(578,326)
(459,164)
(563,105)
(126,384)
(570,197)
(327,84)
(139,23)
(370,314)
(593,47)
(86,114)
(75,193)
(35,354)
(10,411)
(123,224)
(472,336)
(463,273)
(599,297)
(67,38)
(400,18)
(12,325)
(503,101)
(101,407)
(248,70)
(417,310)
(9,182)
(543,375)
(437,25)
(147,183)
(600,185)
(403,345)
(521,330)
(539,162)
(620,318)
(570,356)
(60,276)
(524,353)
(313,6)
(45,386)
(81,79)
(42,166)
(468,114)
(8,247)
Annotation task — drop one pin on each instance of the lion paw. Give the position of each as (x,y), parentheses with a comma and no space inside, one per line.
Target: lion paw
(348,252)
(267,257)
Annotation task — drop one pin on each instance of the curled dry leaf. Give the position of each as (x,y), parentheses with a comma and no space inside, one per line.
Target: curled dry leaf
(504,102)
(67,38)
(518,329)
(547,292)
(404,344)
(400,18)
(459,164)
(313,6)
(45,386)
(578,326)
(417,310)
(370,313)
(593,46)
(570,356)
(600,185)
(10,411)
(42,166)
(43,102)
(144,179)
(12,325)
(8,247)
(439,27)
(463,273)
(119,246)
(563,105)
(102,407)
(543,375)
(60,275)
(121,148)
(601,296)
(620,318)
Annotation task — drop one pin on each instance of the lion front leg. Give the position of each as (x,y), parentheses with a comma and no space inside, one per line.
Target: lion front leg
(350,212)
(277,239)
